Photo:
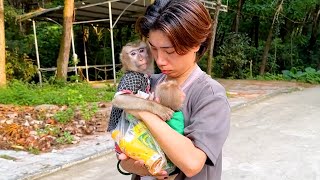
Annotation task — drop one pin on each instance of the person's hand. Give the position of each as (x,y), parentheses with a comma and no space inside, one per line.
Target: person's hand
(161,175)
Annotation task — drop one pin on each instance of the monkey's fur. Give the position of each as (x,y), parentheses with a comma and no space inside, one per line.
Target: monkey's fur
(170,95)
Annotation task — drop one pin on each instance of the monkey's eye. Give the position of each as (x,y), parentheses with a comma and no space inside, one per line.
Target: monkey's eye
(133,53)
(141,50)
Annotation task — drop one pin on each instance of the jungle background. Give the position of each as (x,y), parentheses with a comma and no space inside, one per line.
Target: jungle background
(278,39)
(255,39)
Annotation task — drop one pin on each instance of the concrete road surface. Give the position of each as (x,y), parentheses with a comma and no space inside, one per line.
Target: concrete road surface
(102,168)
(278,139)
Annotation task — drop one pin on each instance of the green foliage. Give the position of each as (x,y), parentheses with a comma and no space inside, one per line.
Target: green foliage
(7,157)
(48,36)
(291,41)
(19,66)
(20,93)
(232,61)
(49,130)
(310,75)
(34,150)
(88,111)
(66,138)
(64,116)
(268,76)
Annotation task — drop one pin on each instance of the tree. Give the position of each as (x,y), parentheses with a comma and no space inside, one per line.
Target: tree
(3,80)
(214,31)
(269,40)
(63,58)
(236,22)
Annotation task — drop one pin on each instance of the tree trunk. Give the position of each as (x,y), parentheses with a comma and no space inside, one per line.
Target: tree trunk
(254,32)
(214,30)
(64,52)
(236,22)
(269,41)
(3,80)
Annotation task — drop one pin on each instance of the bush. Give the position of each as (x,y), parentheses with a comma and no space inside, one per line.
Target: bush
(233,58)
(310,75)
(19,66)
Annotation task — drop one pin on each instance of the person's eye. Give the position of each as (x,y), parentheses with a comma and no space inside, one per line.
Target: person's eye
(170,52)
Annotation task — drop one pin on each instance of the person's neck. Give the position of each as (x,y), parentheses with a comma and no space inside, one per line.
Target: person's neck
(184,76)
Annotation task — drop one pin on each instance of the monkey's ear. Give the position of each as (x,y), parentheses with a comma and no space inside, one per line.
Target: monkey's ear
(123,57)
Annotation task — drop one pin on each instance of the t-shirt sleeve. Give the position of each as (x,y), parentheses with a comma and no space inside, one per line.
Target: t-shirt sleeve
(209,122)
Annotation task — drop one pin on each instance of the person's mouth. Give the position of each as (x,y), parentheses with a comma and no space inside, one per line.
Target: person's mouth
(165,71)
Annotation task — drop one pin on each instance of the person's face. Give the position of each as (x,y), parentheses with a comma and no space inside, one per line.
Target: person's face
(168,61)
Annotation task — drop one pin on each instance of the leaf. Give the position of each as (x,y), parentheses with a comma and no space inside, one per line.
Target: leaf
(310,70)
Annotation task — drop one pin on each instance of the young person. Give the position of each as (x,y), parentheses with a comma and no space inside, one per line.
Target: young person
(179,32)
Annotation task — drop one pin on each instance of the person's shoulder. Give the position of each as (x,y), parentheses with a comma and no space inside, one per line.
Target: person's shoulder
(209,85)
(156,77)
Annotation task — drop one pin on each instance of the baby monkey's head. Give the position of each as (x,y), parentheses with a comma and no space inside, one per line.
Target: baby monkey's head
(170,95)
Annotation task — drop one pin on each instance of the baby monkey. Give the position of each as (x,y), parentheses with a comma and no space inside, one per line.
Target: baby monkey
(170,95)
(137,65)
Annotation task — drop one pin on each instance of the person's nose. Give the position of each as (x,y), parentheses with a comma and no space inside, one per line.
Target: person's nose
(161,59)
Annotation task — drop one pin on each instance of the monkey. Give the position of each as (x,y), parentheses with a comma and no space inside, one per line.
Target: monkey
(170,95)
(137,65)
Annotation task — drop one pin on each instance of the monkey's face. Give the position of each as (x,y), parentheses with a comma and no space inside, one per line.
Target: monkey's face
(139,57)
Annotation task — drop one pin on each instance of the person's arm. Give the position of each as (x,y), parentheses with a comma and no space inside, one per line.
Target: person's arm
(209,120)
(180,149)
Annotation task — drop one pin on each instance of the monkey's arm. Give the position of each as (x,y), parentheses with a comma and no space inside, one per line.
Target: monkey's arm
(131,102)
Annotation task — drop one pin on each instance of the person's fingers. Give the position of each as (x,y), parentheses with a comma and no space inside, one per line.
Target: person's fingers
(162,175)
(122,156)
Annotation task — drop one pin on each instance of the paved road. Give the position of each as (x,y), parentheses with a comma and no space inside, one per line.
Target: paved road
(278,138)
(102,168)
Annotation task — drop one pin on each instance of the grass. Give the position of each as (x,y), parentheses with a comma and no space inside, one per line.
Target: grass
(3,156)
(19,93)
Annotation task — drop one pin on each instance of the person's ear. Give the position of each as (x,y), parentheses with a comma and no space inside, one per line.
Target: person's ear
(196,49)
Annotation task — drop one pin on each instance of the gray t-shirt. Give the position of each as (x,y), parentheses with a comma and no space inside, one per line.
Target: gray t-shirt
(207,120)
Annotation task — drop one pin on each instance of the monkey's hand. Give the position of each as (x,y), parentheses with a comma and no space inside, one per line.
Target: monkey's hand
(163,112)
(131,102)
